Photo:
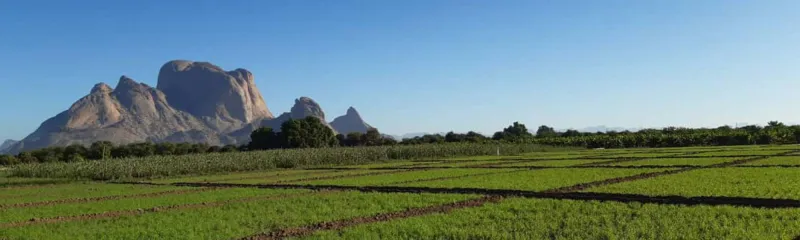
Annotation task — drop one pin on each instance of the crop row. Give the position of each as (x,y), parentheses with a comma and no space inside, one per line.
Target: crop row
(161,166)
(568,219)
(233,220)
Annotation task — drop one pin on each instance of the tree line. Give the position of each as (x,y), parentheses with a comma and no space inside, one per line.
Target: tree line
(310,132)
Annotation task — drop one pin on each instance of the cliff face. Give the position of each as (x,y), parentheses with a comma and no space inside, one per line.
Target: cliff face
(206,91)
(194,102)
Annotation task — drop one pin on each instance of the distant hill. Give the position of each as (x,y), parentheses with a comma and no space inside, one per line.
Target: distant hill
(6,145)
(194,102)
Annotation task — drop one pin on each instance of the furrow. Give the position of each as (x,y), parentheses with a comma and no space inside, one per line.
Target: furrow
(383,217)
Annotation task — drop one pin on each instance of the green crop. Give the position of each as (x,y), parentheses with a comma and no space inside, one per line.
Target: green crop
(674,161)
(533,180)
(780,183)
(402,177)
(579,220)
(234,220)
(787,160)
(161,166)
(75,190)
(73,209)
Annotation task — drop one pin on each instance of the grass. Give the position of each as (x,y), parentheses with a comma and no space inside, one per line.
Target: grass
(551,163)
(533,180)
(787,160)
(674,162)
(73,209)
(567,219)
(75,190)
(388,179)
(740,153)
(234,220)
(343,173)
(642,155)
(214,163)
(246,175)
(777,183)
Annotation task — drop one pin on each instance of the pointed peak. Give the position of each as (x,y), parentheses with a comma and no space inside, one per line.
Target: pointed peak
(126,83)
(101,87)
(352,111)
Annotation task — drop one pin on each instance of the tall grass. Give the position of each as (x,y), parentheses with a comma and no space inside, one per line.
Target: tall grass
(162,166)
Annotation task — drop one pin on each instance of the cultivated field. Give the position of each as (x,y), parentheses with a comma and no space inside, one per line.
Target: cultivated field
(743,192)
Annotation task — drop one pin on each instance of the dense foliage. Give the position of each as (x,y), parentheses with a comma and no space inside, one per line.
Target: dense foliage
(159,166)
(773,133)
(312,133)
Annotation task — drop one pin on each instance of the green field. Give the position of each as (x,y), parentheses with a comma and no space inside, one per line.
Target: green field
(470,197)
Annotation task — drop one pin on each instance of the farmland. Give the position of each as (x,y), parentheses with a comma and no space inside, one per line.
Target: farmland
(743,192)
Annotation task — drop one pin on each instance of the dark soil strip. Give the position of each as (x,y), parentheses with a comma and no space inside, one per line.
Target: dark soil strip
(277,176)
(383,217)
(582,186)
(106,198)
(456,177)
(350,175)
(548,194)
(113,214)
(619,160)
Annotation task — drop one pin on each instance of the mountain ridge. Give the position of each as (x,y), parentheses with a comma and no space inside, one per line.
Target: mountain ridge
(194,102)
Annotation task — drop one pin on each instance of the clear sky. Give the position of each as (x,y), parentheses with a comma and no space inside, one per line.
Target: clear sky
(426,65)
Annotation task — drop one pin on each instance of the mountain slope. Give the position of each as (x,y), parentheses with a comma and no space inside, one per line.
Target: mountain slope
(350,122)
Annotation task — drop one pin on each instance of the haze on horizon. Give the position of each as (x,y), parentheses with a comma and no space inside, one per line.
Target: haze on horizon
(426,66)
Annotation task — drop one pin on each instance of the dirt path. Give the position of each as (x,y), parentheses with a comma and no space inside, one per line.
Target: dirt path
(383,217)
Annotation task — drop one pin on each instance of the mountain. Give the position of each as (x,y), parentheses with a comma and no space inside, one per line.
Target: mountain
(6,144)
(195,102)
(600,128)
(350,122)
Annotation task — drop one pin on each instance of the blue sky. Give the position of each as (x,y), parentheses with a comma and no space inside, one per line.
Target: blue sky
(426,65)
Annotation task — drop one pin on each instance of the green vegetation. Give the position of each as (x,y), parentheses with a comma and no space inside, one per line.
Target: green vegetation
(62,208)
(533,180)
(233,220)
(552,163)
(566,219)
(740,153)
(73,209)
(389,179)
(75,190)
(674,162)
(787,160)
(777,183)
(293,178)
(161,166)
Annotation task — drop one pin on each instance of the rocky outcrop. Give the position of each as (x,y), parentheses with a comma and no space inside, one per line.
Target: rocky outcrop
(350,122)
(133,112)
(194,102)
(207,91)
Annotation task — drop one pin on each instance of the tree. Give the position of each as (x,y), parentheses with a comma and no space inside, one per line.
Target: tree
(307,133)
(372,137)
(100,150)
(8,160)
(265,138)
(545,131)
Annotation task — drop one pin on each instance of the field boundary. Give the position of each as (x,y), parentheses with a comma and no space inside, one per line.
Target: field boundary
(382,217)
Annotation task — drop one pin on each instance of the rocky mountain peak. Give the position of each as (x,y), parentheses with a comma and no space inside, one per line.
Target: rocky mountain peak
(350,122)
(304,107)
(207,91)
(101,88)
(352,112)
